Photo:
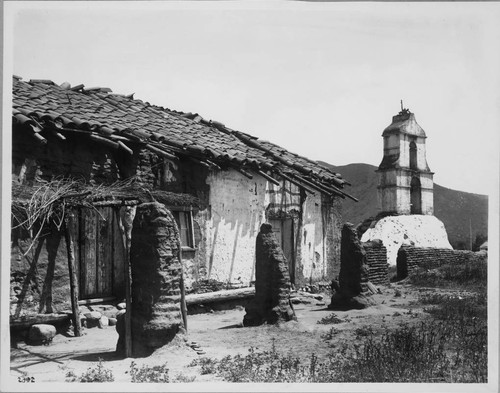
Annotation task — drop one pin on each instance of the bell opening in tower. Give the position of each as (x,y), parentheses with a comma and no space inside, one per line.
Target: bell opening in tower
(415,196)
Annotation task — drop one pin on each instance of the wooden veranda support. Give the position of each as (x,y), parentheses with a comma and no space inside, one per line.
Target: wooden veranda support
(127,215)
(73,282)
(183,293)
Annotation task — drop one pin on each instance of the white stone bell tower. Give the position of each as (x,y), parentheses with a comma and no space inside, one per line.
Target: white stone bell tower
(405,181)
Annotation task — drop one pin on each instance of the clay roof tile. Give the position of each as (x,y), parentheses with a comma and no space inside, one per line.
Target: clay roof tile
(96,108)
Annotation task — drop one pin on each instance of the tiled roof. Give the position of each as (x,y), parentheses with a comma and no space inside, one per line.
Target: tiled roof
(120,121)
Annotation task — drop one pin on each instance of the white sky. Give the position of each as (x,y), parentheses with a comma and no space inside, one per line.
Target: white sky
(321,79)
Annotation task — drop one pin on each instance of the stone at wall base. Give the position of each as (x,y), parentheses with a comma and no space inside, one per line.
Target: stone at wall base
(41,334)
(342,302)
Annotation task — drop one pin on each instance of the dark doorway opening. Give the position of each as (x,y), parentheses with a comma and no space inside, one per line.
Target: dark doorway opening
(283,229)
(415,196)
(413,156)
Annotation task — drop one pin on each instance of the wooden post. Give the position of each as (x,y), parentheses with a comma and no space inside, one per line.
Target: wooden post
(183,292)
(127,215)
(73,282)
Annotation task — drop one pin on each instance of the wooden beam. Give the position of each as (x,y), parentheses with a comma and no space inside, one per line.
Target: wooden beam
(117,202)
(26,322)
(160,152)
(104,141)
(200,162)
(213,164)
(39,138)
(220,296)
(57,134)
(332,190)
(317,186)
(297,183)
(73,282)
(242,171)
(96,300)
(336,190)
(269,178)
(124,147)
(127,216)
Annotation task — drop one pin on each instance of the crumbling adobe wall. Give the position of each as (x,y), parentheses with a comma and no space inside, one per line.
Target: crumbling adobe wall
(410,258)
(376,258)
(352,288)
(156,277)
(272,283)
(353,277)
(39,280)
(333,232)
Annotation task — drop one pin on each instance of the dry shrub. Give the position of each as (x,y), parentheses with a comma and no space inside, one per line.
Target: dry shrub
(93,374)
(331,319)
(157,374)
(469,274)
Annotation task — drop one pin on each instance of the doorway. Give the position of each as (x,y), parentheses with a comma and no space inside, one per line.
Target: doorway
(283,228)
(100,254)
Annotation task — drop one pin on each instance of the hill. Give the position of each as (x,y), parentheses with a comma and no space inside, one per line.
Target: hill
(458,210)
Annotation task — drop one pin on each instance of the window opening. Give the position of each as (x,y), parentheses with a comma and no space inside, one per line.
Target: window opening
(413,156)
(184,220)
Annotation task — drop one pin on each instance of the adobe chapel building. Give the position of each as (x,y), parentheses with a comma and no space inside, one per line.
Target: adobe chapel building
(405,192)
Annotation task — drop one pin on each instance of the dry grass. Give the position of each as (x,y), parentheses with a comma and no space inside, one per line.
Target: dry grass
(448,346)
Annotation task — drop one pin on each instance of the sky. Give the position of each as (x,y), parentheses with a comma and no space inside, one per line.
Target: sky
(320,79)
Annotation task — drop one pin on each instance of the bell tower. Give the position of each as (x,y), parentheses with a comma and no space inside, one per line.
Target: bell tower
(405,181)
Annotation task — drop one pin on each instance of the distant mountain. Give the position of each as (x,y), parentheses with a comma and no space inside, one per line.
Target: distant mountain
(458,210)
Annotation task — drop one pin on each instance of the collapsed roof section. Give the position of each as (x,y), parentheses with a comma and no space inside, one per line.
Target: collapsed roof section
(122,122)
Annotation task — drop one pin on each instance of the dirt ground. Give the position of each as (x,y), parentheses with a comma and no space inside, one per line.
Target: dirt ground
(219,334)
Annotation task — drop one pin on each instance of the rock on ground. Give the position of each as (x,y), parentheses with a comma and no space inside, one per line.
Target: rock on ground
(103,322)
(41,333)
(92,318)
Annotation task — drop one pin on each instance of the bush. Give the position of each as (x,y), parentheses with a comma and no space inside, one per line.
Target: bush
(266,366)
(330,320)
(207,365)
(208,285)
(363,331)
(469,274)
(181,378)
(330,334)
(158,374)
(93,374)
(460,309)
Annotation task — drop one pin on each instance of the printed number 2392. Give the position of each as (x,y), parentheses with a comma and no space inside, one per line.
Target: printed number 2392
(25,379)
